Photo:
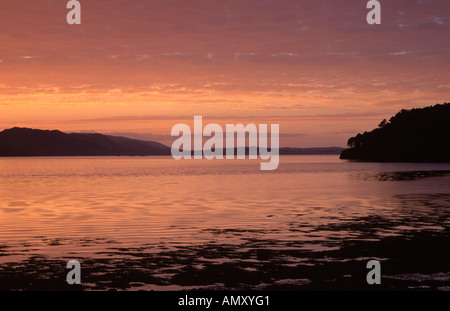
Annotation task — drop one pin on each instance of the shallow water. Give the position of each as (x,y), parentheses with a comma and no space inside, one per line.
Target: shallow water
(157,223)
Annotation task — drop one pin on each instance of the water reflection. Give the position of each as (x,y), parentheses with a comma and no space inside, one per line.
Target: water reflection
(158,224)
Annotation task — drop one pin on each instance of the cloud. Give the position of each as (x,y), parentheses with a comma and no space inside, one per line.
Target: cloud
(400,53)
(162,61)
(232,118)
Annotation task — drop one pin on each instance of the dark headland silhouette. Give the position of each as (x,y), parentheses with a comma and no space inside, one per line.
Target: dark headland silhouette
(31,142)
(416,135)
(22,142)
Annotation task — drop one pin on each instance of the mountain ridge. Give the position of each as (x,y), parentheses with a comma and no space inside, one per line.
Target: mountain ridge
(19,141)
(27,142)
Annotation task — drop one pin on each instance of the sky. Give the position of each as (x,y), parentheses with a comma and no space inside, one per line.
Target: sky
(137,68)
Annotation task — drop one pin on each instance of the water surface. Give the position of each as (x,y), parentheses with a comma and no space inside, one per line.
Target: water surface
(156,223)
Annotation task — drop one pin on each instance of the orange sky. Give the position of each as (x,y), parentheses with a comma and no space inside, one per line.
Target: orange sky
(138,67)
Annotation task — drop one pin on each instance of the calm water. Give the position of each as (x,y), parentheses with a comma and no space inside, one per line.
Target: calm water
(157,223)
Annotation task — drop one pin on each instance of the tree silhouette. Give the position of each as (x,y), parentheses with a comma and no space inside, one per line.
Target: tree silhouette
(416,135)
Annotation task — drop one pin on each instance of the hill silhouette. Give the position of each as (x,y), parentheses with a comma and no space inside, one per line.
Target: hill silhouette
(22,142)
(416,135)
(31,142)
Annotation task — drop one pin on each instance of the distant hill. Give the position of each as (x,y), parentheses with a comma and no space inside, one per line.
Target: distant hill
(416,135)
(31,142)
(291,151)
(311,151)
